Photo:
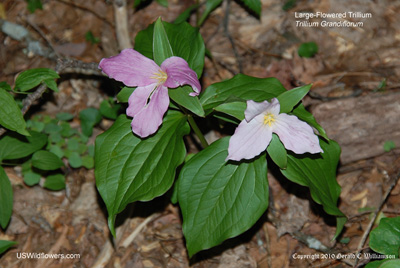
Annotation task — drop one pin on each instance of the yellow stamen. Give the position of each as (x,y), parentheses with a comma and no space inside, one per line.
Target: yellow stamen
(269,118)
(160,76)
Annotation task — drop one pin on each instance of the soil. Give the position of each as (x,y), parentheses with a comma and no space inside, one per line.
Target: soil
(355,96)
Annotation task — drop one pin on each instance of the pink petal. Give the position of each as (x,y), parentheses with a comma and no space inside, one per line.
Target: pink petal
(296,135)
(131,68)
(179,74)
(249,140)
(138,99)
(255,108)
(149,119)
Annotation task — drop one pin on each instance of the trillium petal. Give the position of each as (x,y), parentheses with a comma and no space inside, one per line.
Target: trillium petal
(149,119)
(255,108)
(138,99)
(249,140)
(131,68)
(296,135)
(179,74)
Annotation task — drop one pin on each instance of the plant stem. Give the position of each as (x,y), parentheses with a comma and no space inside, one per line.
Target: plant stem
(196,130)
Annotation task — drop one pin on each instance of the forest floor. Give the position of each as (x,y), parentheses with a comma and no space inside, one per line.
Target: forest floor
(355,97)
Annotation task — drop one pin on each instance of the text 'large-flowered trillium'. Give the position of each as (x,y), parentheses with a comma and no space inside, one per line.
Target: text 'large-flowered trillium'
(254,133)
(149,101)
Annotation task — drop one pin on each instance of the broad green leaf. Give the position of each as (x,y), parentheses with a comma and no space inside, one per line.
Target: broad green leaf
(181,96)
(125,93)
(17,146)
(318,172)
(277,152)
(240,88)
(4,85)
(50,83)
(391,264)
(64,116)
(185,15)
(33,77)
(210,6)
(6,199)
(10,114)
(34,4)
(235,109)
(4,245)
(75,160)
(88,161)
(308,50)
(291,98)
(254,5)
(109,109)
(375,264)
(130,169)
(301,112)
(220,199)
(46,160)
(161,47)
(55,182)
(31,178)
(187,43)
(385,239)
(89,118)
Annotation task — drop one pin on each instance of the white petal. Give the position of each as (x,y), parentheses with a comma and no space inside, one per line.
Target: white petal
(249,140)
(255,108)
(296,135)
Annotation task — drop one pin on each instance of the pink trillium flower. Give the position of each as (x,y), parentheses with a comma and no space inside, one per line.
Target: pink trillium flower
(254,133)
(150,100)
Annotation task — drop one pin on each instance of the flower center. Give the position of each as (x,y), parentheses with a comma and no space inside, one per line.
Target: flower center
(160,76)
(269,118)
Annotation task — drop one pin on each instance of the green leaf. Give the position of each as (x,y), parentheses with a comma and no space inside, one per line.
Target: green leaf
(91,38)
(318,172)
(375,264)
(235,109)
(89,118)
(109,109)
(73,144)
(64,116)
(130,169)
(254,5)
(75,160)
(52,128)
(4,245)
(185,42)
(289,99)
(33,77)
(17,146)
(391,264)
(50,83)
(210,6)
(88,161)
(6,199)
(181,96)
(385,239)
(163,3)
(301,112)
(240,88)
(55,182)
(10,114)
(308,50)
(185,15)
(277,152)
(31,178)
(388,146)
(220,199)
(46,160)
(4,85)
(289,4)
(125,93)
(161,47)
(34,4)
